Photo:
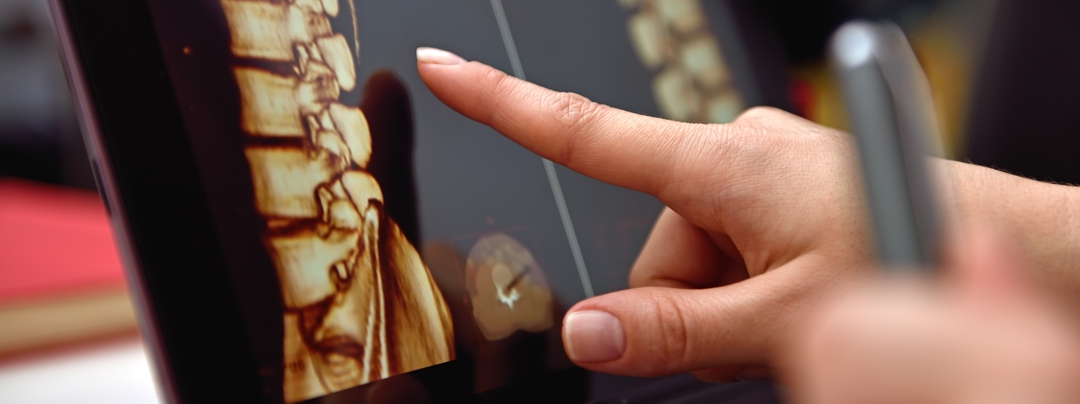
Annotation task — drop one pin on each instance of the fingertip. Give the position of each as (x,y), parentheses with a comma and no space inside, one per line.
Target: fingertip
(466,87)
(437,67)
(583,330)
(664,331)
(592,336)
(427,55)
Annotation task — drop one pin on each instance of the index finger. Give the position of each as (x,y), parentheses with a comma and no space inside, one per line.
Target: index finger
(611,145)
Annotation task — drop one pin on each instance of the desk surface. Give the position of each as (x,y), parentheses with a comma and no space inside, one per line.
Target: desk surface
(114,372)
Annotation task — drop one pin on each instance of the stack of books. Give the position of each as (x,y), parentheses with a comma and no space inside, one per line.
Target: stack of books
(61,280)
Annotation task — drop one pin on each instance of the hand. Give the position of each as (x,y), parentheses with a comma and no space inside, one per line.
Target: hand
(984,335)
(770,197)
(765,217)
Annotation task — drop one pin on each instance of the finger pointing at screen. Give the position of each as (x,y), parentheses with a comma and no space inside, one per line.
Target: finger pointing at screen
(736,256)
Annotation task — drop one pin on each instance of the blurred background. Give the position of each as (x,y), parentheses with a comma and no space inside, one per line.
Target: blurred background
(39,134)
(1005,76)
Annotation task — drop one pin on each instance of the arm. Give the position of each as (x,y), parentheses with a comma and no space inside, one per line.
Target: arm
(1042,218)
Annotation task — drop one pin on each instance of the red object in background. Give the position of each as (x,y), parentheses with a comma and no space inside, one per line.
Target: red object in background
(54,241)
(801,92)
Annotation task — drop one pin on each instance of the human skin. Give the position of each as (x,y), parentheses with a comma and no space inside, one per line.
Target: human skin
(764,219)
(980,334)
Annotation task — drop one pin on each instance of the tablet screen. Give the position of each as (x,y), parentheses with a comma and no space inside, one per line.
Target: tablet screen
(373,234)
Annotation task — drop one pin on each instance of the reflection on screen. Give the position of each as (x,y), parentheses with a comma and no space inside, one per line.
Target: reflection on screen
(360,304)
(693,82)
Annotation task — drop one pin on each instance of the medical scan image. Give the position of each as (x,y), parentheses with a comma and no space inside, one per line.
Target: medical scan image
(508,288)
(360,305)
(693,82)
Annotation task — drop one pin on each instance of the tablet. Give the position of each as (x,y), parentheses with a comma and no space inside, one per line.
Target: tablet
(301,220)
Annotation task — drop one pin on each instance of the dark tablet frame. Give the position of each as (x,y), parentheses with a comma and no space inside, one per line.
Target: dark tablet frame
(184,299)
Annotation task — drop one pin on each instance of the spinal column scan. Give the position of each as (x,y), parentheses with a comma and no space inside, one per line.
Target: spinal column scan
(360,305)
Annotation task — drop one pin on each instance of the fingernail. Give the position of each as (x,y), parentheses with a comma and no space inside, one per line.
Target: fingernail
(593,336)
(437,56)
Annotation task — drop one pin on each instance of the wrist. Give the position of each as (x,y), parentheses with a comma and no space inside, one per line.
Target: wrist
(1043,219)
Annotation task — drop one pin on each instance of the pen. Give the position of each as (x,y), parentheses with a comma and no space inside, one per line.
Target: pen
(890,109)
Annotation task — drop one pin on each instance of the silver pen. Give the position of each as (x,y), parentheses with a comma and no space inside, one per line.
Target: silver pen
(890,110)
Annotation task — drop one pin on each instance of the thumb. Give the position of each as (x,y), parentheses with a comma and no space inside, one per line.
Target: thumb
(654,331)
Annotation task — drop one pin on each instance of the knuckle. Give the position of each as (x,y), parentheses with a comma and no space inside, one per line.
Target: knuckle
(759,112)
(672,347)
(575,113)
(575,110)
(501,87)
(503,83)
(495,75)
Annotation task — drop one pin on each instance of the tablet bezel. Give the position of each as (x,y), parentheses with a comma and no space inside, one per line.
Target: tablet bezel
(148,178)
